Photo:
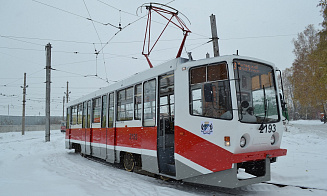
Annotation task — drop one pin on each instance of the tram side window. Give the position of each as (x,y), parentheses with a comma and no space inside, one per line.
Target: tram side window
(111,110)
(88,125)
(210,91)
(68,118)
(74,115)
(149,103)
(104,111)
(96,109)
(138,102)
(125,104)
(79,114)
(84,115)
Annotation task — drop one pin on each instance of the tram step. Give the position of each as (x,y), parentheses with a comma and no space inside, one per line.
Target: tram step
(170,169)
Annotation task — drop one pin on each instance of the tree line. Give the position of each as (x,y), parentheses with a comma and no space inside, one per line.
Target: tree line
(305,83)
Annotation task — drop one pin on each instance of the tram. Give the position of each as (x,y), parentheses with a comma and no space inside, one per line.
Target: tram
(215,121)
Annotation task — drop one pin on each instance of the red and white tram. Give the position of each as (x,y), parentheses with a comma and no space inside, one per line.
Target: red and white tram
(208,121)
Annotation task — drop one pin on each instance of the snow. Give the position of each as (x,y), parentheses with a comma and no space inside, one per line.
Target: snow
(31,166)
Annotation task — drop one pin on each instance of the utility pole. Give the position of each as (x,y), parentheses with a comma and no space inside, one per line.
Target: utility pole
(63,108)
(67,93)
(24,100)
(47,97)
(214,35)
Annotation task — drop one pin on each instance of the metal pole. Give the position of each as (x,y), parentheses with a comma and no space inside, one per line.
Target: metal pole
(67,93)
(24,100)
(214,35)
(63,108)
(48,81)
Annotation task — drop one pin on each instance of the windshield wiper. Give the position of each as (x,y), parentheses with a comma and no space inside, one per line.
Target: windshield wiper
(265,107)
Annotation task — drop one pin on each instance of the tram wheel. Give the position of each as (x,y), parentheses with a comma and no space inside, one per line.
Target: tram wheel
(129,161)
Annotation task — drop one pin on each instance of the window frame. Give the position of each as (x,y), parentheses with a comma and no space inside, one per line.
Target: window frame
(125,100)
(200,85)
(79,114)
(138,97)
(147,122)
(104,110)
(111,109)
(73,117)
(96,107)
(273,83)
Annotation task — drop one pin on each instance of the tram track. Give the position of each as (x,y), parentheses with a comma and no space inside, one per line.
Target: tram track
(222,190)
(297,186)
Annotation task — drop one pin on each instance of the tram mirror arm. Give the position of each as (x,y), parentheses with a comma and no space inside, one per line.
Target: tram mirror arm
(265,109)
(208,95)
(282,101)
(282,98)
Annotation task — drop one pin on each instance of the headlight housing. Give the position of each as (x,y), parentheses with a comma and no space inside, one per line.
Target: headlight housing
(242,141)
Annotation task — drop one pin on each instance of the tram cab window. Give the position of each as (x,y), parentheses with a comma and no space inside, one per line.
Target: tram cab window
(210,91)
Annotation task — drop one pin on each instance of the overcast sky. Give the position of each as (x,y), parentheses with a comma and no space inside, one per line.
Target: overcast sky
(262,29)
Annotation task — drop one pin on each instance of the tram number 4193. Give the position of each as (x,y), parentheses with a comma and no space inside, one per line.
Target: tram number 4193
(268,128)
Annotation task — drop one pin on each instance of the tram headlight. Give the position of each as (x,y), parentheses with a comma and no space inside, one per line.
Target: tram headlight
(227,140)
(272,140)
(242,141)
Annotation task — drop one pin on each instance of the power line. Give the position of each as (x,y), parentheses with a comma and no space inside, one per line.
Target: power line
(91,43)
(96,53)
(84,75)
(47,39)
(20,40)
(105,24)
(30,49)
(257,37)
(92,20)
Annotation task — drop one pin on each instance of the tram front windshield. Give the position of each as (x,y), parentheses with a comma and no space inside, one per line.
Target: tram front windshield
(256,92)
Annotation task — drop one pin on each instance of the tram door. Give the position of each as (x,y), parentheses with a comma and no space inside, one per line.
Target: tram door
(166,139)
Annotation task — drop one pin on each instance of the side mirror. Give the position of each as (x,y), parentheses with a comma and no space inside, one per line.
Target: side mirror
(245,104)
(208,94)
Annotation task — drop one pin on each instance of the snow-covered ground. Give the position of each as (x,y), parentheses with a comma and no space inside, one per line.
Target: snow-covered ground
(31,166)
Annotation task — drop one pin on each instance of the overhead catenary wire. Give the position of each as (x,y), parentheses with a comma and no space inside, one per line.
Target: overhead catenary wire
(122,28)
(90,19)
(97,53)
(12,38)
(76,14)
